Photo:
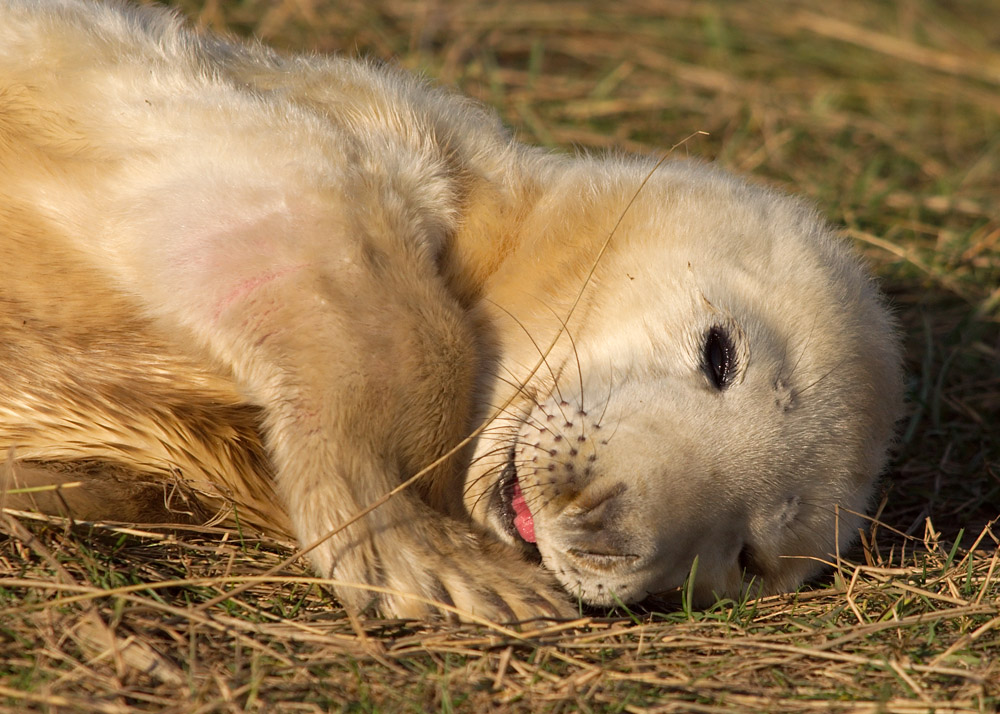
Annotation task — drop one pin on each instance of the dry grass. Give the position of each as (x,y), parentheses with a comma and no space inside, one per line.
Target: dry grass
(106,620)
(887,115)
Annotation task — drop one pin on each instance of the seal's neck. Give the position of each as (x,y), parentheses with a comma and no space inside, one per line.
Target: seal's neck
(528,227)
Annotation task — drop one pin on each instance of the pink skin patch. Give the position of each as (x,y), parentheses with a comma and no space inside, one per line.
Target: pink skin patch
(244,288)
(523,521)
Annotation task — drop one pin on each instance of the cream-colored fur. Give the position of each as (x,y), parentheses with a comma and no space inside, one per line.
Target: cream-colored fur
(229,274)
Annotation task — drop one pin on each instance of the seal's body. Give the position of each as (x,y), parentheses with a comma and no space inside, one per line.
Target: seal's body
(285,285)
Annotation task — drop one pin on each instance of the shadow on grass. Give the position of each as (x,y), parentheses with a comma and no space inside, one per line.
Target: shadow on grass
(947,466)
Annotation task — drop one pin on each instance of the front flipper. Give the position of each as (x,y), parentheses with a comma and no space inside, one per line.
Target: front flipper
(366,370)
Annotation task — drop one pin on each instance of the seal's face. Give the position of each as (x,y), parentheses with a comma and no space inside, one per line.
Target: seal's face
(724,390)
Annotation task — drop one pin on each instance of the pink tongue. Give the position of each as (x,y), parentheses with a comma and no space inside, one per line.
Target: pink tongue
(523,521)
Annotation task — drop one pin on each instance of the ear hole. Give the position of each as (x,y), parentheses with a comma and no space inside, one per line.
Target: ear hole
(719,357)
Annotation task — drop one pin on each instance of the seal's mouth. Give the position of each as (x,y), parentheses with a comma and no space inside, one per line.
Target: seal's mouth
(512,509)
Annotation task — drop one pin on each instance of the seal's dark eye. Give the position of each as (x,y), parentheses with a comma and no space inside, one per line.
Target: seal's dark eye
(719,357)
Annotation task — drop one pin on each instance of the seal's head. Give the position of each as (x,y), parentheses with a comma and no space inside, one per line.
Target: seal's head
(725,388)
